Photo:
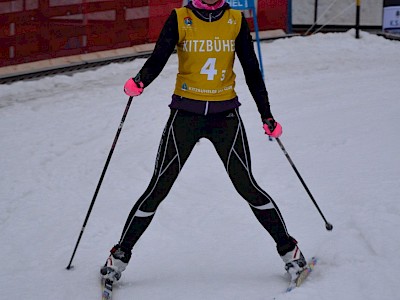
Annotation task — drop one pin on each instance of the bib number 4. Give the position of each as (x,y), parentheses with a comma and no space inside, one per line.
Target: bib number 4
(210,70)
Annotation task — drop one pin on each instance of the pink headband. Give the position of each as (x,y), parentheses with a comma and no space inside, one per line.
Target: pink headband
(201,5)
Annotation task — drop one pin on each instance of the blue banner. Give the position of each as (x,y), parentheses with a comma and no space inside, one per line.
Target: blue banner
(241,4)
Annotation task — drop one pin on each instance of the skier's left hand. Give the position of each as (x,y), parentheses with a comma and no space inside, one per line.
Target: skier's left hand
(272,128)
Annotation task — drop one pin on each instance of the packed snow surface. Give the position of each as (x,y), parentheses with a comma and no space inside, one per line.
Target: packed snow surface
(338,100)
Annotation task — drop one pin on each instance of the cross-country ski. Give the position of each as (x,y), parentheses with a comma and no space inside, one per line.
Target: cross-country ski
(106,289)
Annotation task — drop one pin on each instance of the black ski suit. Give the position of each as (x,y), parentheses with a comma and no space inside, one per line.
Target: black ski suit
(218,121)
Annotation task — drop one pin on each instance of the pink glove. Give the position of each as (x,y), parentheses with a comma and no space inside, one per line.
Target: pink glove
(132,88)
(272,128)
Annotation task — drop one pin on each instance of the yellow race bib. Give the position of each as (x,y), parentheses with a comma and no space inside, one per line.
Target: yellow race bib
(206,53)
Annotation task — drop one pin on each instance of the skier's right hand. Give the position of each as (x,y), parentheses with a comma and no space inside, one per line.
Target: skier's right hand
(133,88)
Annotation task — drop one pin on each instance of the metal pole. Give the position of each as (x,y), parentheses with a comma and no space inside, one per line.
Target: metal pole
(358,5)
(328,225)
(290,20)
(315,11)
(103,173)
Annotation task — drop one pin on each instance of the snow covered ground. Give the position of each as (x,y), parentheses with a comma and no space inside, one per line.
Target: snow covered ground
(338,101)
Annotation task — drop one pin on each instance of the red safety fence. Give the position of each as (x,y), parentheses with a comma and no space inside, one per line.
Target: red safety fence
(33,30)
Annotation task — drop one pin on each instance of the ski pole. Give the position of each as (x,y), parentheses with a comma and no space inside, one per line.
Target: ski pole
(101,179)
(328,225)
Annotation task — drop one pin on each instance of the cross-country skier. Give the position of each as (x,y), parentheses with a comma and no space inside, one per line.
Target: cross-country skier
(207,34)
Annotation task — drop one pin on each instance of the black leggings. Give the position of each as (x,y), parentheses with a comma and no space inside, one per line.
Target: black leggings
(226,132)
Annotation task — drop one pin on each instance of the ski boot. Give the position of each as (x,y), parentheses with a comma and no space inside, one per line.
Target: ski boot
(116,263)
(294,262)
